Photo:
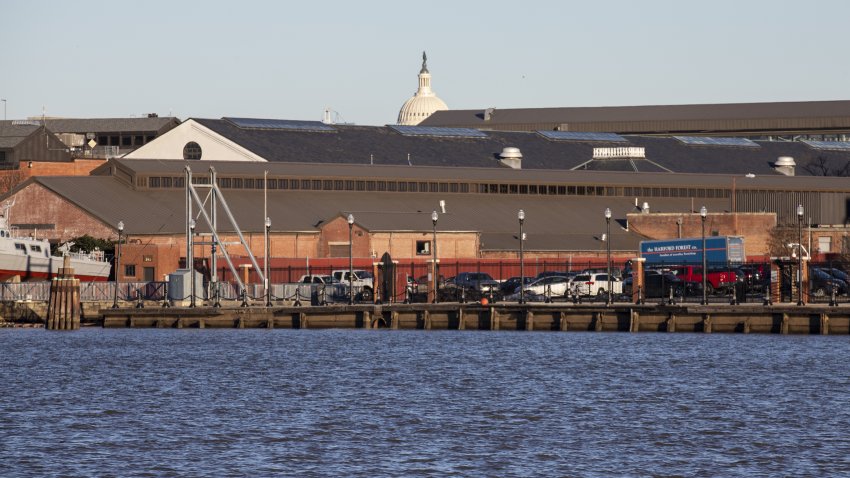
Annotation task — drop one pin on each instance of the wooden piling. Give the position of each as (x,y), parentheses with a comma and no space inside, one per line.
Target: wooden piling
(63,311)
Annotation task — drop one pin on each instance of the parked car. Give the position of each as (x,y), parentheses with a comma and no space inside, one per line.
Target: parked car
(549,286)
(422,284)
(756,277)
(721,279)
(568,275)
(510,285)
(473,285)
(659,285)
(821,283)
(317,279)
(594,284)
(361,279)
(837,273)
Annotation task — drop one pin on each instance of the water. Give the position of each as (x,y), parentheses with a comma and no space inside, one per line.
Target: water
(357,403)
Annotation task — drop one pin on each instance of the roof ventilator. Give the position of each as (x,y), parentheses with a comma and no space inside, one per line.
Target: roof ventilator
(511,157)
(785,165)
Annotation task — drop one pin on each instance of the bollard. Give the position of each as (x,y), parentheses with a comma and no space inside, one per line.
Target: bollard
(217,302)
(734,300)
(139,303)
(244,294)
(165,303)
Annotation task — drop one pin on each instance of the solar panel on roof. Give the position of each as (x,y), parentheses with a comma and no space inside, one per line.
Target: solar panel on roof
(712,141)
(582,136)
(830,145)
(437,132)
(278,124)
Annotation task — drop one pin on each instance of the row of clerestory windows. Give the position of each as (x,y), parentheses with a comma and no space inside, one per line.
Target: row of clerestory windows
(371,185)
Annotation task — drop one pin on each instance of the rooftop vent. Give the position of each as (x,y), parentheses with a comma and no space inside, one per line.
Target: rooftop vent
(488,113)
(785,165)
(511,157)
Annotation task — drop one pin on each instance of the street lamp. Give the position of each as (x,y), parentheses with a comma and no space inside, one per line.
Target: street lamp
(434,218)
(703,212)
(190,262)
(266,272)
(608,249)
(4,108)
(117,262)
(350,260)
(800,254)
(521,216)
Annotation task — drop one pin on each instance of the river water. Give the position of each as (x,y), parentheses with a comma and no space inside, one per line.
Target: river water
(367,403)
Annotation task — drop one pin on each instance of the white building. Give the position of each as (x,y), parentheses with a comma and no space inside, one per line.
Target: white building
(424,102)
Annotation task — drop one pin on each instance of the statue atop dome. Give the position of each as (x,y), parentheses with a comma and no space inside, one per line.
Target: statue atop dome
(424,102)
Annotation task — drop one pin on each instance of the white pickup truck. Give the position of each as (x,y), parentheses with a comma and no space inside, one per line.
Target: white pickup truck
(362,279)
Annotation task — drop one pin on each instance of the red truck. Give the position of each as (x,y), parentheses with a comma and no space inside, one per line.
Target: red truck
(717,279)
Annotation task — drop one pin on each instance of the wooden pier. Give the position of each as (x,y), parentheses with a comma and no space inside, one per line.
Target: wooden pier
(746,318)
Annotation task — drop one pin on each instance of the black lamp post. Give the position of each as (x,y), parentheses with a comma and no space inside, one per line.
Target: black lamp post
(266,272)
(703,212)
(608,249)
(800,254)
(117,263)
(521,216)
(434,218)
(350,260)
(190,262)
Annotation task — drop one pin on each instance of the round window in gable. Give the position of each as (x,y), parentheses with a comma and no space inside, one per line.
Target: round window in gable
(192,150)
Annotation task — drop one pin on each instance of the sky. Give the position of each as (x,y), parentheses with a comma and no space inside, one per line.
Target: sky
(292,60)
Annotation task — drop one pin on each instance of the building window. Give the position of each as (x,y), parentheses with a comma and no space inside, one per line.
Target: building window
(130,270)
(825,244)
(423,248)
(192,150)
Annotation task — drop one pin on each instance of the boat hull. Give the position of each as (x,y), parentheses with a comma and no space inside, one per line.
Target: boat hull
(28,268)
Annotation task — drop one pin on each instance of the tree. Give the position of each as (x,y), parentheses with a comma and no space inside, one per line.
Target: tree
(819,166)
(87,243)
(778,240)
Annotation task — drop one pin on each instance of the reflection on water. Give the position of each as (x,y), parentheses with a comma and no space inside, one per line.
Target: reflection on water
(413,403)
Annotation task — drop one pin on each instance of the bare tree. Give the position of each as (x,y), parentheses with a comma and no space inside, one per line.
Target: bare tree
(819,166)
(778,240)
(9,179)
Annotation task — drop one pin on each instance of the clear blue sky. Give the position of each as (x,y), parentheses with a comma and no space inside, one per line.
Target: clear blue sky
(209,59)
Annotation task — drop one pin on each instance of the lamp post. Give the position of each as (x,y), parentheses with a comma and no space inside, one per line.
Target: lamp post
(266,272)
(4,108)
(521,216)
(350,260)
(190,262)
(117,262)
(434,218)
(703,212)
(800,254)
(608,249)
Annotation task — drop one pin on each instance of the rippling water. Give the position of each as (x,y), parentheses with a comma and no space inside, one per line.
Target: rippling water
(366,403)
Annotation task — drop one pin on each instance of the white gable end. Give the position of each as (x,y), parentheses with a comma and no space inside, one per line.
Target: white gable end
(214,147)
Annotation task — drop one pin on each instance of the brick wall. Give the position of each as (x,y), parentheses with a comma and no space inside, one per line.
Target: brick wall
(78,167)
(68,220)
(754,227)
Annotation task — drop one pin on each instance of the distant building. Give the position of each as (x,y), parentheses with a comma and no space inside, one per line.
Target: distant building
(108,137)
(25,142)
(424,102)
(778,121)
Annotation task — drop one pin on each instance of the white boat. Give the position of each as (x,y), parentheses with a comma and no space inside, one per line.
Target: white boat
(28,258)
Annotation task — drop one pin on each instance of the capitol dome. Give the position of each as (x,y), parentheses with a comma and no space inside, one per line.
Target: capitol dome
(424,101)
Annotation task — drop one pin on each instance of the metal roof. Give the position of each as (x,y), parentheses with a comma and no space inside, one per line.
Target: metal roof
(724,111)
(110,125)
(377,145)
(552,222)
(12,134)
(476,174)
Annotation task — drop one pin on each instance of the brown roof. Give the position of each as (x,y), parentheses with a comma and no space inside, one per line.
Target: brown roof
(552,222)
